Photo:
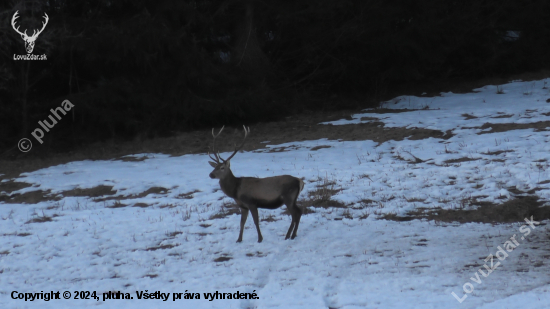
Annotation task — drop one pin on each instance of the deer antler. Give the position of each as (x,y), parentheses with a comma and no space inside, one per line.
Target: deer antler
(43,26)
(13,24)
(237,148)
(216,159)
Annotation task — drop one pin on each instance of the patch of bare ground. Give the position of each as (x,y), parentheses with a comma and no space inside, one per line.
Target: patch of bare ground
(17,234)
(319,147)
(369,119)
(222,258)
(142,205)
(503,127)
(256,254)
(227,210)
(32,197)
(514,210)
(7,187)
(173,234)
(503,116)
(269,218)
(117,204)
(96,191)
(160,247)
(152,190)
(39,219)
(468,116)
(459,160)
(132,159)
(188,195)
(322,196)
(496,153)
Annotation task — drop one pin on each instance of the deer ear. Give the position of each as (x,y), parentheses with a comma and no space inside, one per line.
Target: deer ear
(213,164)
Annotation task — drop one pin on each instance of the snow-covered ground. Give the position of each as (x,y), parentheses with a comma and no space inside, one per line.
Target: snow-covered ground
(342,257)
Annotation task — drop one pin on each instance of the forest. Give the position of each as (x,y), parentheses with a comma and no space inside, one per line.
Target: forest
(144,69)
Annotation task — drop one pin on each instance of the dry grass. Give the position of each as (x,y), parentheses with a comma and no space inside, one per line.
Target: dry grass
(227,209)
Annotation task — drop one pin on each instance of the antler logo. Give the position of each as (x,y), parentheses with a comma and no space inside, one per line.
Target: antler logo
(29,40)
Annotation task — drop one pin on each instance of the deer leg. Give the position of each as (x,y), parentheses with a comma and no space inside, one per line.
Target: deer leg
(292,224)
(254,212)
(297,220)
(244,215)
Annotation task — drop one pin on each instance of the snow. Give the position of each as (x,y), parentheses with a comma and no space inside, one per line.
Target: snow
(335,262)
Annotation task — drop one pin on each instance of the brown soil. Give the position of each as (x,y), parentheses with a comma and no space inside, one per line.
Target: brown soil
(515,210)
(503,127)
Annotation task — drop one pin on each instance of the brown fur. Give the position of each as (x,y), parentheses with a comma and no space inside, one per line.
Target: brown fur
(251,193)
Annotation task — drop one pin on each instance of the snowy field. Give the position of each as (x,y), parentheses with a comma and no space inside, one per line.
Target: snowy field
(172,238)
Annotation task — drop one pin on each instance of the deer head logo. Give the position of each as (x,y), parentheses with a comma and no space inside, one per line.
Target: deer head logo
(29,40)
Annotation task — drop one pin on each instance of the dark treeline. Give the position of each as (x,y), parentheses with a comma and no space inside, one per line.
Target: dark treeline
(151,68)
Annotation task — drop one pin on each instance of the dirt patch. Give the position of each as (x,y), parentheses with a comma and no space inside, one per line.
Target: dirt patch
(369,119)
(8,187)
(496,153)
(226,211)
(188,195)
(161,247)
(18,234)
(503,127)
(256,254)
(269,218)
(132,159)
(152,190)
(32,197)
(142,205)
(41,219)
(117,204)
(174,234)
(468,116)
(90,192)
(222,258)
(503,116)
(459,160)
(319,147)
(515,210)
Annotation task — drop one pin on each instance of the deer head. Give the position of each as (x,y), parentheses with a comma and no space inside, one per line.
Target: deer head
(221,166)
(29,40)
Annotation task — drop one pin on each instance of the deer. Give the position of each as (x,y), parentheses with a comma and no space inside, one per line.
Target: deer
(251,193)
(29,40)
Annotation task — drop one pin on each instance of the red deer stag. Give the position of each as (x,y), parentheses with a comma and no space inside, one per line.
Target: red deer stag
(251,193)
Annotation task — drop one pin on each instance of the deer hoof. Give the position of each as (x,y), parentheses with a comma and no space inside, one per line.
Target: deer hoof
(239,240)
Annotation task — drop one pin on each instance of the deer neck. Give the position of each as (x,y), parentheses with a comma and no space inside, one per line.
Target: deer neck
(230,185)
